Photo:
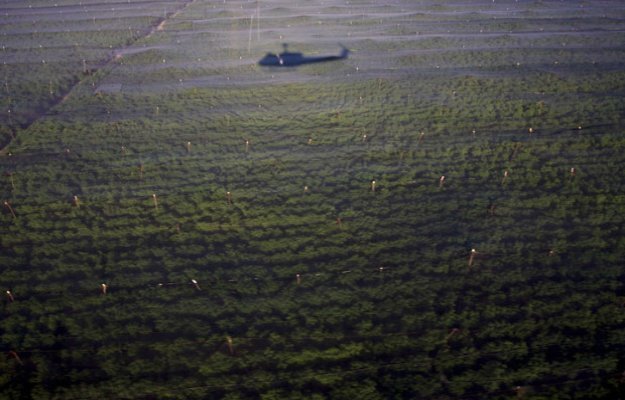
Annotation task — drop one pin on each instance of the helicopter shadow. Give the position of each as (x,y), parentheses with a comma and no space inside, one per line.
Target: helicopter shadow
(294,59)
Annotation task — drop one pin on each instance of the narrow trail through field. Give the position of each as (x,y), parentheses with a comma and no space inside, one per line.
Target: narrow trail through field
(114,55)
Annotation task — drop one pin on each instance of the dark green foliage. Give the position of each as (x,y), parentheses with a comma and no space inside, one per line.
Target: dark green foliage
(333,291)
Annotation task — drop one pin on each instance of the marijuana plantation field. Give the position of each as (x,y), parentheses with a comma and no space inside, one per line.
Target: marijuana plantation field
(439,216)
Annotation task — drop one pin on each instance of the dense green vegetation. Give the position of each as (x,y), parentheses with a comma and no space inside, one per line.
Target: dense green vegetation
(246,252)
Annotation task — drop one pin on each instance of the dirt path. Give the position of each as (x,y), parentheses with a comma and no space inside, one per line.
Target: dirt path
(108,61)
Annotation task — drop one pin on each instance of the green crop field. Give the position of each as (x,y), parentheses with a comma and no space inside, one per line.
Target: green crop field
(441,215)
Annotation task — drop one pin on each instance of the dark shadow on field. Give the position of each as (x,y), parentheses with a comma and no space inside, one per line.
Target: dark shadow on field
(289,59)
